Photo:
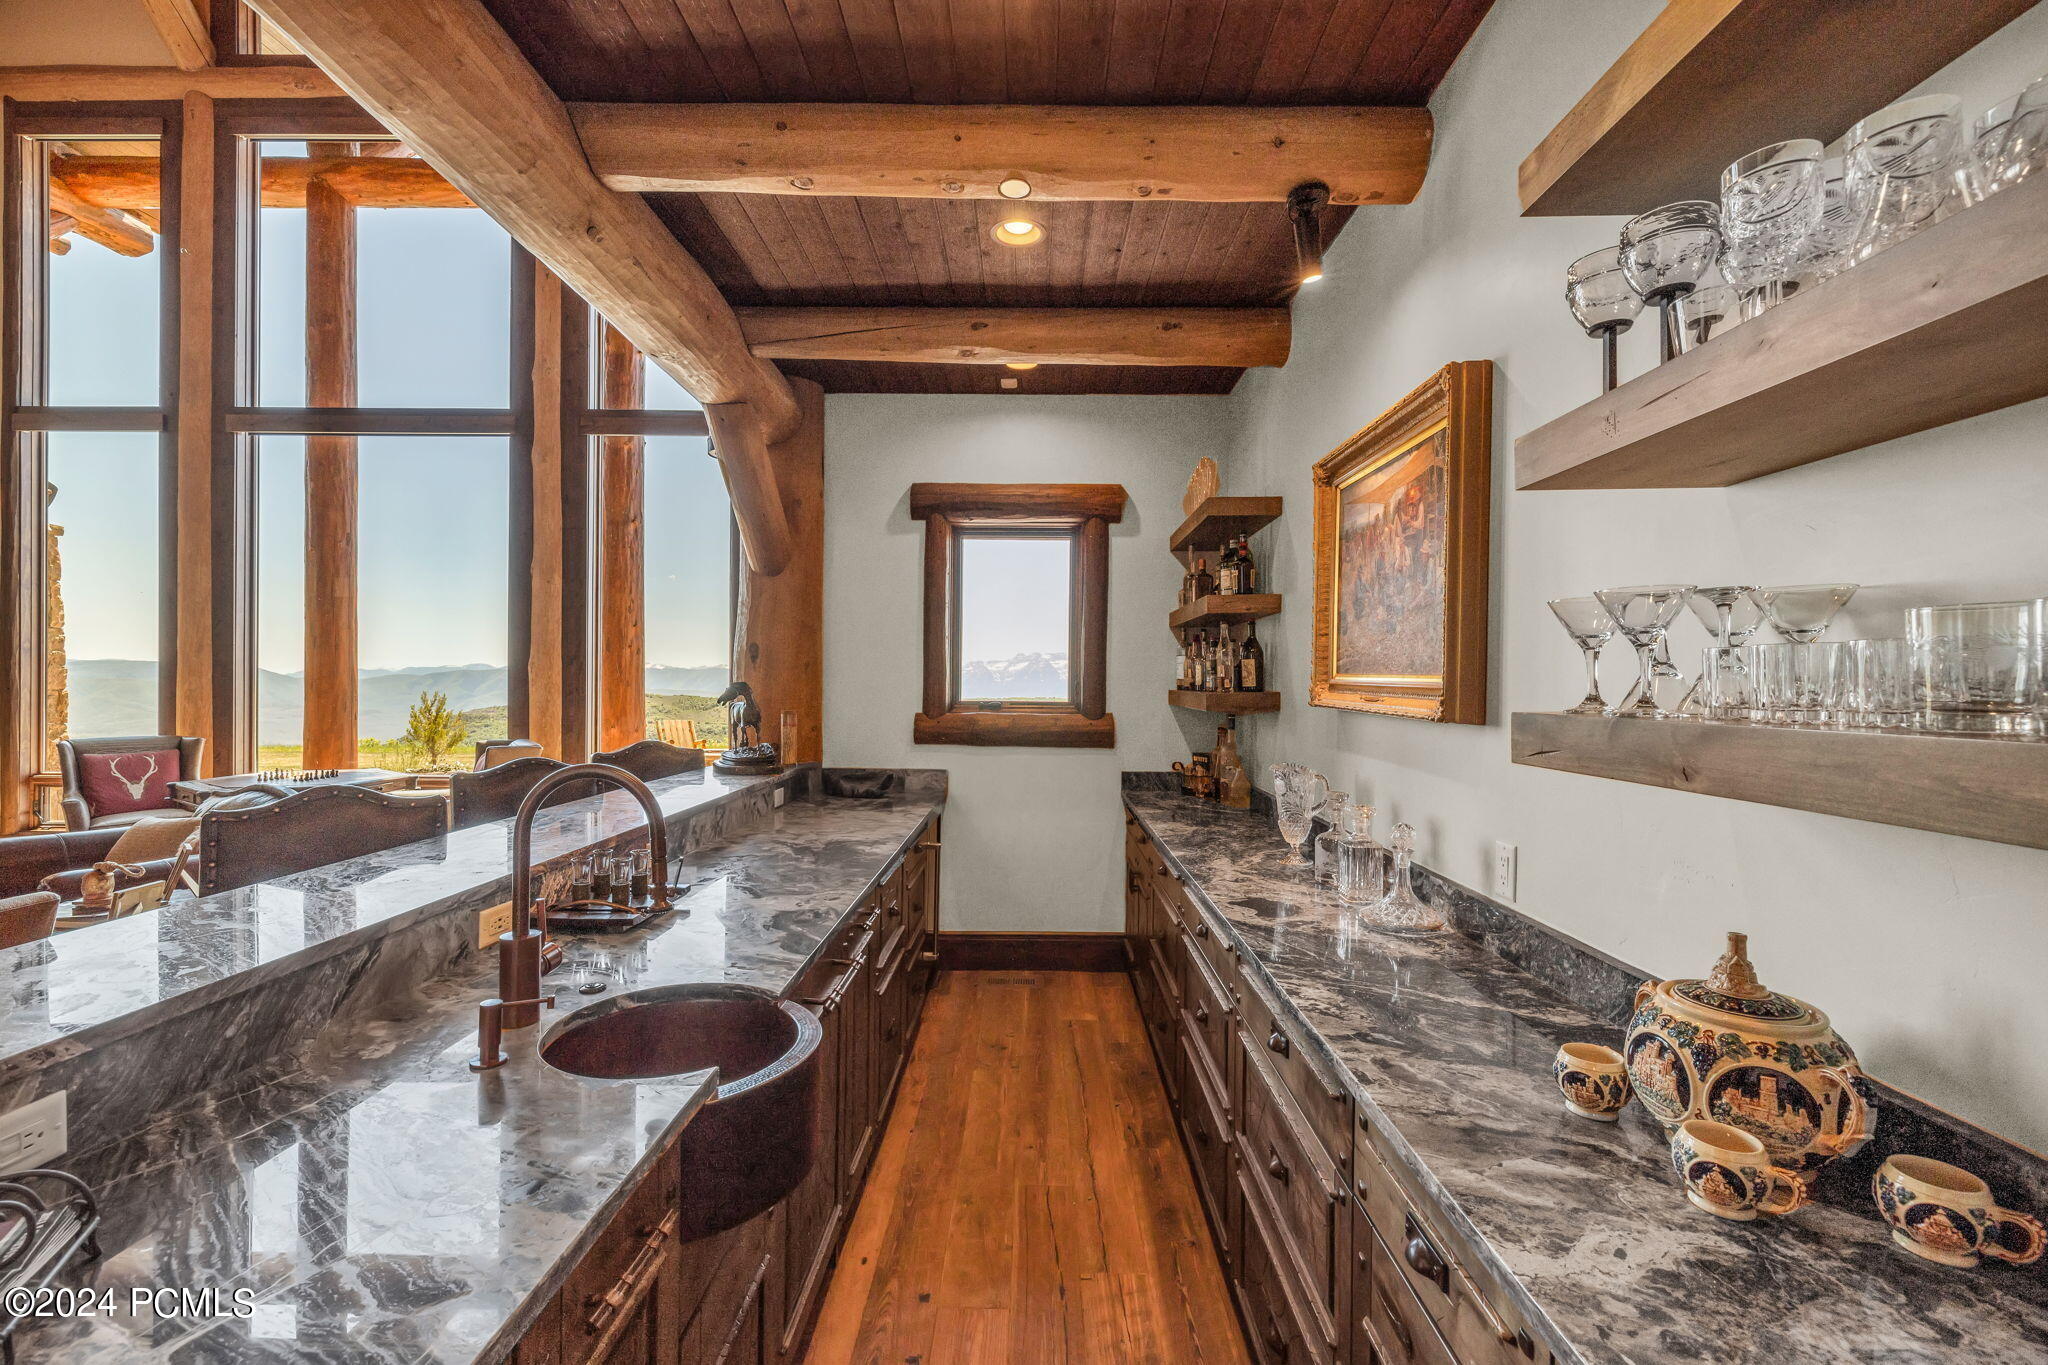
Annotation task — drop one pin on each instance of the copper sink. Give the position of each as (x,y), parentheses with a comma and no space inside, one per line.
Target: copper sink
(753,1141)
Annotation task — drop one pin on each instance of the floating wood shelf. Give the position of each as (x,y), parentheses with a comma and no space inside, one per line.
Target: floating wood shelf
(1978,787)
(1229,703)
(1947,325)
(1224,519)
(1225,609)
(1710,80)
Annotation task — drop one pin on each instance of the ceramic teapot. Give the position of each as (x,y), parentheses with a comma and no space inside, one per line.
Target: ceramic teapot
(1727,1049)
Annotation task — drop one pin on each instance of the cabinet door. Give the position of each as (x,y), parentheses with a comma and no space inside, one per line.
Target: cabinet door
(634,1320)
(812,1212)
(857,1088)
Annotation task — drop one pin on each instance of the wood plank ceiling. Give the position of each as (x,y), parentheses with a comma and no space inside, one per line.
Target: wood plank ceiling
(763,249)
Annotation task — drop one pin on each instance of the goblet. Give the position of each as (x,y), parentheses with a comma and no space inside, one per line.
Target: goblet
(1604,303)
(1666,253)
(1643,614)
(1901,169)
(1591,627)
(1770,206)
(1801,614)
(1299,794)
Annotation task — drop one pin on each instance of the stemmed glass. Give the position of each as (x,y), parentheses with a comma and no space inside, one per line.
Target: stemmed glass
(1643,614)
(1731,617)
(1770,206)
(1802,614)
(1299,794)
(1902,163)
(2011,139)
(1666,252)
(1591,627)
(1604,303)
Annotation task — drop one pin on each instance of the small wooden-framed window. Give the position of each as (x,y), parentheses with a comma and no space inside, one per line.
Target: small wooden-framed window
(1016,613)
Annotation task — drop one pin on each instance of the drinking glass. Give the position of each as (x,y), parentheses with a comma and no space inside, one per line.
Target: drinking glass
(1829,248)
(1591,627)
(2011,140)
(1980,661)
(1707,312)
(1901,164)
(1666,253)
(1803,682)
(1725,689)
(1604,303)
(1643,614)
(1885,693)
(1802,613)
(1770,207)
(1298,797)
(1731,617)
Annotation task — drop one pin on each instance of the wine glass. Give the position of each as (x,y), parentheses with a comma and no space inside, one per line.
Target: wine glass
(1901,168)
(1666,253)
(1604,303)
(1643,614)
(1299,794)
(1801,614)
(1731,617)
(1770,206)
(1591,627)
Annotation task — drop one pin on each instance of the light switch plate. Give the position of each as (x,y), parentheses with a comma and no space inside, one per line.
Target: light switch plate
(493,922)
(1505,856)
(33,1135)
(781,795)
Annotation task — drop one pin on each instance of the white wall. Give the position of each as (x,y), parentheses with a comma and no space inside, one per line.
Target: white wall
(1929,951)
(1034,837)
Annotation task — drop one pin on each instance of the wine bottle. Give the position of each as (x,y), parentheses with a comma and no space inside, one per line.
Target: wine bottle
(1251,670)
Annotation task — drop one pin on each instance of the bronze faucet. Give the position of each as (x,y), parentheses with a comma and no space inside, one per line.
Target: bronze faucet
(518,1002)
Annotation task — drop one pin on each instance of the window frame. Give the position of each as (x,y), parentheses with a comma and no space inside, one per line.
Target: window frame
(1078,513)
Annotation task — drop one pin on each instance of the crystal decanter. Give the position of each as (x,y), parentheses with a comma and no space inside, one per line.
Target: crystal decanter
(1399,908)
(1335,809)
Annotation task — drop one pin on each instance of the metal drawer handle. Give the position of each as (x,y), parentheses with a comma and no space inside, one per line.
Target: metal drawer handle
(1276,1041)
(1201,1014)
(1364,1190)
(1275,1341)
(1400,1331)
(1424,1259)
(1275,1167)
(633,1285)
(1201,929)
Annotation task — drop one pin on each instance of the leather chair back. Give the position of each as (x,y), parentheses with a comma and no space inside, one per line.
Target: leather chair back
(77,815)
(24,919)
(495,793)
(492,752)
(242,845)
(649,759)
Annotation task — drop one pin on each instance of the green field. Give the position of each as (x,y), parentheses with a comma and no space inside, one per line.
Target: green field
(488,722)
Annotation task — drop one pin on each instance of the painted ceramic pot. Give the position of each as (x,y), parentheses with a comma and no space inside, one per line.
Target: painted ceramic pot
(1593,1079)
(1726,1173)
(1944,1214)
(1724,1048)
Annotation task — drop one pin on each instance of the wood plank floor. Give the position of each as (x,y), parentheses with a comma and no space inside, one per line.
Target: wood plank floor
(1030,1201)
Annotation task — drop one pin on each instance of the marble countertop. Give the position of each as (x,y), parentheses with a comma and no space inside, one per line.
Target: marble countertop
(380,1202)
(1448,1047)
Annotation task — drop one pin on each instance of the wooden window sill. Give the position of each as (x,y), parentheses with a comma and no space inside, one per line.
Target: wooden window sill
(1033,729)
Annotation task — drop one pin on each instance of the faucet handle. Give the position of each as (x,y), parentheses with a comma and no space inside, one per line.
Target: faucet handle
(490,1030)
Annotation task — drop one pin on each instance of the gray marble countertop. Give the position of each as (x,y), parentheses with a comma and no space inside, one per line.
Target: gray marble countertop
(380,1202)
(1448,1048)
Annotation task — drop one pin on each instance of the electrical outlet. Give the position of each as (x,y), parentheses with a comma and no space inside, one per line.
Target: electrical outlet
(493,922)
(781,795)
(33,1135)
(1504,859)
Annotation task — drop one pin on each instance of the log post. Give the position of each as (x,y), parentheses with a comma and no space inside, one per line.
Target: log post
(622,584)
(779,622)
(331,594)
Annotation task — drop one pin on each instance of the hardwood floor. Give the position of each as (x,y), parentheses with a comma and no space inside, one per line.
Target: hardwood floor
(1030,1202)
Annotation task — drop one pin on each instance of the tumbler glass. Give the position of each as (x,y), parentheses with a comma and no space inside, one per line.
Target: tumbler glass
(1981,662)
(1707,312)
(1884,692)
(1902,162)
(2011,139)
(1770,207)
(1828,250)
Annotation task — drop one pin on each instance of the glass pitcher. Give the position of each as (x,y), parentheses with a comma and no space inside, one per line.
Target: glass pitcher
(1299,795)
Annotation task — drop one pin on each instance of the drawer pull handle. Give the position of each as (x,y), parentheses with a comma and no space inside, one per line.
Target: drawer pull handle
(1275,1167)
(1201,929)
(1276,1341)
(1400,1331)
(1201,1014)
(1502,1333)
(1424,1259)
(1364,1190)
(632,1286)
(1276,1041)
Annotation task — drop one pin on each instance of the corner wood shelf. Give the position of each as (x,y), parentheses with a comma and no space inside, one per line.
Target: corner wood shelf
(1224,609)
(1226,703)
(1978,787)
(1951,323)
(1710,80)
(1218,520)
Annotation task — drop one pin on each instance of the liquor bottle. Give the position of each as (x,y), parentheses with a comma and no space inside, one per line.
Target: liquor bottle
(1183,669)
(1198,665)
(1226,570)
(1187,587)
(1205,582)
(1337,813)
(1229,649)
(1251,665)
(1247,572)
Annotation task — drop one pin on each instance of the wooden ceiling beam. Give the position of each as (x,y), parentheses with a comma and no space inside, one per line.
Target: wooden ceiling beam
(902,151)
(183,28)
(446,78)
(1228,337)
(371,182)
(61,83)
(111,228)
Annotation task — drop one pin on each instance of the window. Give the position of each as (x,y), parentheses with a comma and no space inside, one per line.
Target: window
(1016,613)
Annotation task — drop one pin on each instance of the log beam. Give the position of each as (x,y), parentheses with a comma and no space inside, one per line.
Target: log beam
(183,28)
(621,568)
(65,83)
(135,183)
(1202,154)
(111,228)
(1233,337)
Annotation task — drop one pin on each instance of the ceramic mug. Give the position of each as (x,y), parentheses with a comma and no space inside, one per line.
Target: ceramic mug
(1594,1080)
(1727,1173)
(1945,1214)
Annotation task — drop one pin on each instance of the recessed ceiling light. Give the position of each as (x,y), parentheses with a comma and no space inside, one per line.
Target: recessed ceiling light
(1020,364)
(1305,204)
(1016,187)
(1017,232)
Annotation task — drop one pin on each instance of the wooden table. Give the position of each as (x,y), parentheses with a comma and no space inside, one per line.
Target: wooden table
(193,794)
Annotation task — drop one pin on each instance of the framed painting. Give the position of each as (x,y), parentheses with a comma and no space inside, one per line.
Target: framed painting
(1401,543)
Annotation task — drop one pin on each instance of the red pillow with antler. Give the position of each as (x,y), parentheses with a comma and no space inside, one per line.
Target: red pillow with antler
(114,784)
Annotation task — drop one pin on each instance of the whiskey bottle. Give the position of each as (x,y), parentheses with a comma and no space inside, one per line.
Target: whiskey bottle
(1205,582)
(1226,569)
(1228,645)
(1251,664)
(1180,665)
(1247,573)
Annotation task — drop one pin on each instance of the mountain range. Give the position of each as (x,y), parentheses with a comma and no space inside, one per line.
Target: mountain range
(119,695)
(1020,675)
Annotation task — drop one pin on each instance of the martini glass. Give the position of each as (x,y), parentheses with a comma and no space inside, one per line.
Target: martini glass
(1590,627)
(1731,617)
(1802,614)
(1604,302)
(1643,614)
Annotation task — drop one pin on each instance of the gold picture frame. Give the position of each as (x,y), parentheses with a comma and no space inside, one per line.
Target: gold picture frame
(1402,544)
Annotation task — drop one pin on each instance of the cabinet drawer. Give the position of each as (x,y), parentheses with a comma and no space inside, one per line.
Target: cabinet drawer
(1305,1199)
(1277,1323)
(1205,1118)
(1322,1102)
(612,1282)
(1208,1017)
(1212,944)
(1401,1330)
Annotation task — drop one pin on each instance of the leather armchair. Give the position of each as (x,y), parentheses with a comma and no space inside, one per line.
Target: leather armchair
(649,759)
(78,816)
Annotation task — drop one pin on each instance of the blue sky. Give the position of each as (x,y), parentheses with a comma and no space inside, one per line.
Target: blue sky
(432,310)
